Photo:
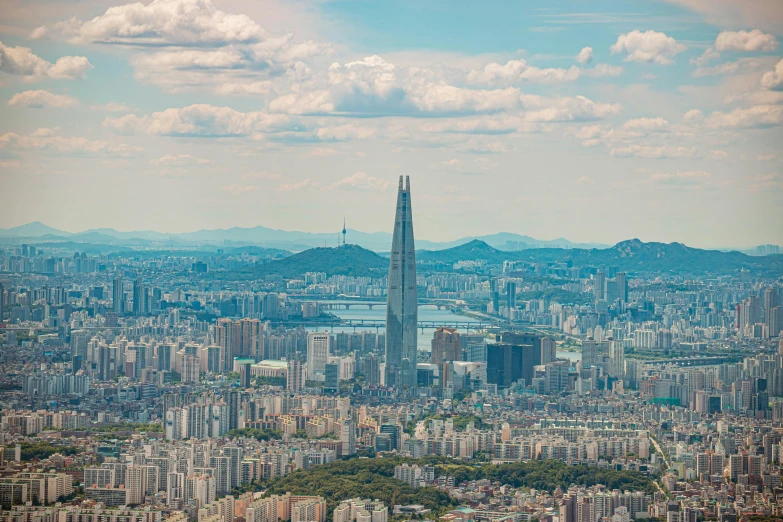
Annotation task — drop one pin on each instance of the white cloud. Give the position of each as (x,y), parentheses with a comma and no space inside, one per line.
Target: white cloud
(602,70)
(585,56)
(727,68)
(162,22)
(21,61)
(361,181)
(518,71)
(576,108)
(756,116)
(239,88)
(496,124)
(185,44)
(745,41)
(773,79)
(49,140)
(202,120)
(40,98)
(236,189)
(179,160)
(653,152)
(300,185)
(741,41)
(691,178)
(345,132)
(649,46)
(646,124)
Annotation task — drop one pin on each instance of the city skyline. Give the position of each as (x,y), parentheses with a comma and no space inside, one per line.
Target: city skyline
(599,123)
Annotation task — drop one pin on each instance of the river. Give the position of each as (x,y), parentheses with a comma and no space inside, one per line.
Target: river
(426,313)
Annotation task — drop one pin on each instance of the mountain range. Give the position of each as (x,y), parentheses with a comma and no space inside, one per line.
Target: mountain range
(266,237)
(633,256)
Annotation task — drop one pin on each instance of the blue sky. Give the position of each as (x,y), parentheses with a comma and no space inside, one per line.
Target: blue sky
(595,121)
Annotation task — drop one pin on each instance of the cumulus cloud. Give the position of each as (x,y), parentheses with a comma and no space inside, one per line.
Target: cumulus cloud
(293,187)
(162,22)
(773,79)
(603,69)
(646,124)
(740,41)
(202,121)
(344,132)
(756,116)
(181,44)
(240,88)
(361,181)
(49,140)
(21,61)
(179,160)
(727,68)
(40,99)
(653,152)
(568,108)
(497,124)
(745,41)
(649,46)
(519,71)
(691,178)
(585,56)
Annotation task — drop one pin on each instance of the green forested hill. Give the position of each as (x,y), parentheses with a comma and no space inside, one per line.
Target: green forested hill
(374,478)
(349,260)
(365,478)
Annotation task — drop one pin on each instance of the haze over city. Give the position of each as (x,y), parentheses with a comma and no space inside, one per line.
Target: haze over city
(391,261)
(596,122)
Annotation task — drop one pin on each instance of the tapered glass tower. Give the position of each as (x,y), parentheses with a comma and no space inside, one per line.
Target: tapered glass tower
(402,302)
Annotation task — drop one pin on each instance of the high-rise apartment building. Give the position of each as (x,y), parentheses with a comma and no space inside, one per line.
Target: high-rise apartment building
(118,295)
(446,346)
(402,301)
(295,375)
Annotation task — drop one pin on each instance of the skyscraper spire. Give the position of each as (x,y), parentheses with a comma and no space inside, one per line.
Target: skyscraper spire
(402,302)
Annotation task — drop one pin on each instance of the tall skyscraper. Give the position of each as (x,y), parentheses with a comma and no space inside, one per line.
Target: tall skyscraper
(600,283)
(118,295)
(139,297)
(511,295)
(402,302)
(622,286)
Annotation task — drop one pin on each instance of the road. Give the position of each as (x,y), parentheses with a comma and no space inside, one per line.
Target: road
(665,461)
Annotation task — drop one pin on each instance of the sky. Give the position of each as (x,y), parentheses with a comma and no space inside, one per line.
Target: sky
(597,121)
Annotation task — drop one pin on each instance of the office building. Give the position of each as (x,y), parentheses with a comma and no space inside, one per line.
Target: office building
(402,300)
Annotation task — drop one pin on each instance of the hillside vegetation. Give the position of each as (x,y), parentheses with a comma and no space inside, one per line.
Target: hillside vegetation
(350,260)
(374,478)
(631,256)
